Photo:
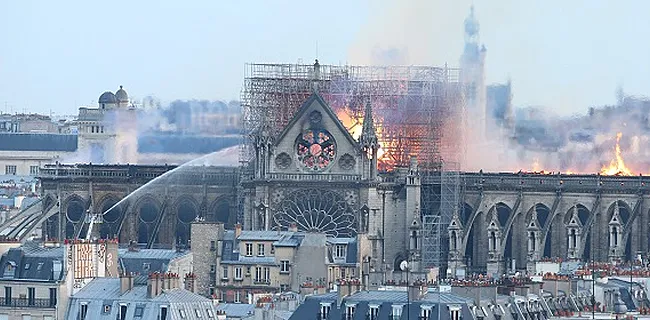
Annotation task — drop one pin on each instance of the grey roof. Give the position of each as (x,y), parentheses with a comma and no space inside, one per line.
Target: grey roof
(263,235)
(121,95)
(38,142)
(103,292)
(107,97)
(28,201)
(179,143)
(145,261)
(32,263)
(385,300)
(237,310)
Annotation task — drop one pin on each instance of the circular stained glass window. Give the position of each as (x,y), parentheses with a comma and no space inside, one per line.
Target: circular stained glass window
(316,149)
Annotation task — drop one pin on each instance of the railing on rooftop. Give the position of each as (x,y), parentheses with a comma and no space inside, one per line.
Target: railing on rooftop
(27,303)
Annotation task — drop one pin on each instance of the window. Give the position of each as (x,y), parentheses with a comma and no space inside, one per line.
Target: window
(454,313)
(425,313)
(325,310)
(225,273)
(163,313)
(213,245)
(349,311)
(260,249)
(397,311)
(9,169)
(238,273)
(52,297)
(122,314)
(237,297)
(267,274)
(340,251)
(139,311)
(8,296)
(33,170)
(249,249)
(373,311)
(107,308)
(48,318)
(284,266)
(27,317)
(258,274)
(31,295)
(146,266)
(213,268)
(342,273)
(83,311)
(182,313)
(210,313)
(198,313)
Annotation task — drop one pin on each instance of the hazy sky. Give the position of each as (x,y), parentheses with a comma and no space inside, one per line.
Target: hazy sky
(567,55)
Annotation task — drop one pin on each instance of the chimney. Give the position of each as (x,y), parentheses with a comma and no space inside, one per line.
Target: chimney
(126,282)
(190,282)
(237,230)
(293,227)
(153,285)
(348,287)
(417,290)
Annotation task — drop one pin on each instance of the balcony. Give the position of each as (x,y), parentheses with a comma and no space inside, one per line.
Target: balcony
(27,303)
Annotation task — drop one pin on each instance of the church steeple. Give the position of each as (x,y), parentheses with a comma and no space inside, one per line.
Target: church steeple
(368,137)
(369,142)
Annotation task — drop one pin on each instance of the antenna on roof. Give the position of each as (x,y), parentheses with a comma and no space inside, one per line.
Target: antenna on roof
(316,49)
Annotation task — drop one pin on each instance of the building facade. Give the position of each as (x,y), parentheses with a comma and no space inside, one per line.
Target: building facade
(33,281)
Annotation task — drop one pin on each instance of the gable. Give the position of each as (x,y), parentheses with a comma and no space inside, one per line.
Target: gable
(315,141)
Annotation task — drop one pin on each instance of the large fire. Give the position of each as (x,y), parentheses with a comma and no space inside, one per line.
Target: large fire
(617,166)
(354,125)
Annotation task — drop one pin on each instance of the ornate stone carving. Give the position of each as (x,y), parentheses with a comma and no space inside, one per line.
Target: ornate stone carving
(283,160)
(347,162)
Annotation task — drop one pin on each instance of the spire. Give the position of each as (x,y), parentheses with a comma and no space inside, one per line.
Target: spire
(368,134)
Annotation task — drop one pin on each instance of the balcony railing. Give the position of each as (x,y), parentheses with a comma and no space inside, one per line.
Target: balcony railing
(27,303)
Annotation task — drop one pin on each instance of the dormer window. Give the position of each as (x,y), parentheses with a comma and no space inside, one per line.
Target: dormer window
(454,312)
(340,251)
(397,311)
(425,312)
(349,311)
(325,308)
(373,311)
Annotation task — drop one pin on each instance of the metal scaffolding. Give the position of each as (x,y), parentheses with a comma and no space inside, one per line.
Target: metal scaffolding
(414,107)
(417,111)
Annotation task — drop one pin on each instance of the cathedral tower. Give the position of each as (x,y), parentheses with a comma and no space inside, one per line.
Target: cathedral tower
(472,75)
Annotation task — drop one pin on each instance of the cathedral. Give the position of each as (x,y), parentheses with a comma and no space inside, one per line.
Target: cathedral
(339,191)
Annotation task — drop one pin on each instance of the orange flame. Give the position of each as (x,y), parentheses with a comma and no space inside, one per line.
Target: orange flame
(617,166)
(354,125)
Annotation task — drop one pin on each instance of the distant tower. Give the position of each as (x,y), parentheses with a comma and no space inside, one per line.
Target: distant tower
(472,75)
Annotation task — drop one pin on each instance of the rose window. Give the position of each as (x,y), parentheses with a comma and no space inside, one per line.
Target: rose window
(320,211)
(316,149)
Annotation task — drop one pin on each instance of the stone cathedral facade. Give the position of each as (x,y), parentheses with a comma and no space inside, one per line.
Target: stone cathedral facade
(317,177)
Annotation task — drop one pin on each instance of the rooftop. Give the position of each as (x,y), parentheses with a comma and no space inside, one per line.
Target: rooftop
(104,300)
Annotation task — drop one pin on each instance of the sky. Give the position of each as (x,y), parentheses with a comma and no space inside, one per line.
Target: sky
(563,55)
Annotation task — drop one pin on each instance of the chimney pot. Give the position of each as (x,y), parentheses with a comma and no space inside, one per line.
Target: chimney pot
(237,230)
